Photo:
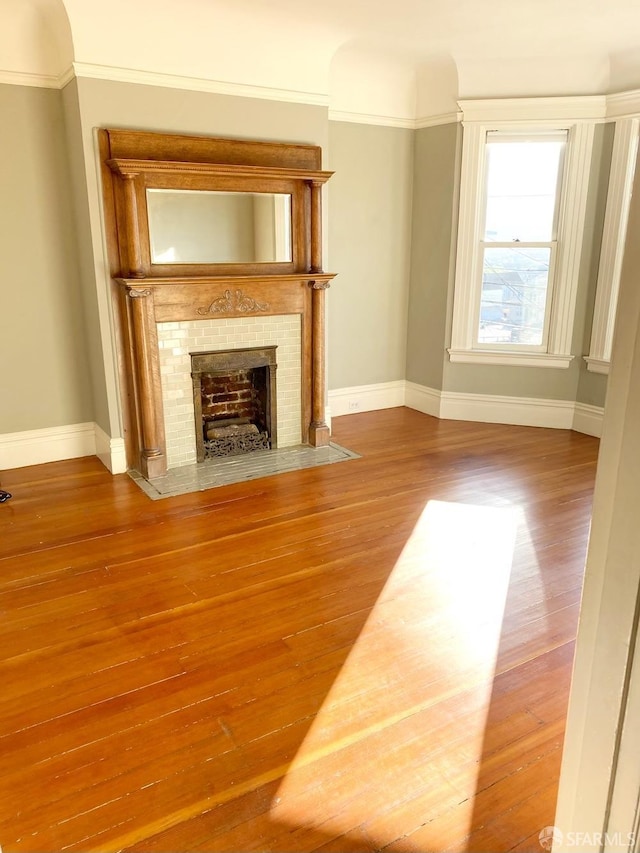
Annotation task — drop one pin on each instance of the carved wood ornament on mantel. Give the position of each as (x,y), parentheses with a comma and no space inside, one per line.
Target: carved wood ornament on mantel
(235,302)
(279,187)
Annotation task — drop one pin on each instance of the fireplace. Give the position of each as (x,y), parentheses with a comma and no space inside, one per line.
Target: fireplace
(235,401)
(283,182)
(179,342)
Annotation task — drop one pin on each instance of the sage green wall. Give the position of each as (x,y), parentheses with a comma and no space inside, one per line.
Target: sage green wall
(94,353)
(391,233)
(105,103)
(592,387)
(547,383)
(370,199)
(435,206)
(43,377)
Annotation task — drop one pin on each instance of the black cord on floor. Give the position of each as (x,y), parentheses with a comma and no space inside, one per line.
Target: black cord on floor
(4,496)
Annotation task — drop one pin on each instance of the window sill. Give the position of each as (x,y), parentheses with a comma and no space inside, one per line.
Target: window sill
(518,359)
(597,365)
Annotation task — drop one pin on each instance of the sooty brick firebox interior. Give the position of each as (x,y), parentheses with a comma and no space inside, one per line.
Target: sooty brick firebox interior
(235,402)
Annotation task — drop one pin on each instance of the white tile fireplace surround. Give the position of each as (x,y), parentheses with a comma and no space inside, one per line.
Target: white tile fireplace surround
(177,340)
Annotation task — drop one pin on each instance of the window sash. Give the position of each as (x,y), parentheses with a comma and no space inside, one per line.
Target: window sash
(529,135)
(573,209)
(510,346)
(503,137)
(559,177)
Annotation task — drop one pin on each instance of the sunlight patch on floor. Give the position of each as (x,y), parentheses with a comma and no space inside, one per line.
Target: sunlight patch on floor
(415,688)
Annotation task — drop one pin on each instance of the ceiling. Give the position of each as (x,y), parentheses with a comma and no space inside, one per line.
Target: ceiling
(404,58)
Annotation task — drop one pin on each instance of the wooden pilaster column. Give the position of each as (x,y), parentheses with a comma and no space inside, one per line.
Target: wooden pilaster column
(153,461)
(316,226)
(319,433)
(133,230)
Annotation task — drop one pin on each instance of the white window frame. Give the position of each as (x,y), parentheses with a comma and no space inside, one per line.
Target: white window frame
(552,244)
(571,221)
(623,160)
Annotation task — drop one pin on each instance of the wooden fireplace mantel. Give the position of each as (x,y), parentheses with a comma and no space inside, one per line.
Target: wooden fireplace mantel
(148,302)
(146,293)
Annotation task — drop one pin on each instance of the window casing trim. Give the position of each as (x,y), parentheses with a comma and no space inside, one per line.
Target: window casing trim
(515,359)
(623,158)
(571,220)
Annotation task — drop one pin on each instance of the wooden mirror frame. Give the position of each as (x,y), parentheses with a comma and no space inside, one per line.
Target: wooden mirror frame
(146,294)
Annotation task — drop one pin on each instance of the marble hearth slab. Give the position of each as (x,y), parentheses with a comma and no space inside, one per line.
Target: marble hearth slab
(236,469)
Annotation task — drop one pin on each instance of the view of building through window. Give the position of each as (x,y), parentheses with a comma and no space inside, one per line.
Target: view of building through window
(519,236)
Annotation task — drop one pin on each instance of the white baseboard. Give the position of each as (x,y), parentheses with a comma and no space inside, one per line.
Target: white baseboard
(33,447)
(111,452)
(367,398)
(37,446)
(423,399)
(454,405)
(588,419)
(494,409)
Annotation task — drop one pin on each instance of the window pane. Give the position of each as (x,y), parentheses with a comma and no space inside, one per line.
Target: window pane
(514,294)
(522,183)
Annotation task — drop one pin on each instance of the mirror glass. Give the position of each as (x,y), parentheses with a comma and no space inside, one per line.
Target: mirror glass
(210,227)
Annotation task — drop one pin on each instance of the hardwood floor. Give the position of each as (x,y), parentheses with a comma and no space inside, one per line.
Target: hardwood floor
(369,655)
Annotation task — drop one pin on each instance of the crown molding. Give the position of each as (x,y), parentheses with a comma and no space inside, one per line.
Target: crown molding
(391,121)
(580,107)
(370,118)
(583,107)
(66,77)
(624,104)
(20,78)
(434,121)
(197,84)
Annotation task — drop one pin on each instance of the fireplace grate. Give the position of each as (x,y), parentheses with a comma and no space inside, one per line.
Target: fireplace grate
(233,443)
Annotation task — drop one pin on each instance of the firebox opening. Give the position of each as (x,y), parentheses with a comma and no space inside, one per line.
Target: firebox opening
(234,401)
(234,416)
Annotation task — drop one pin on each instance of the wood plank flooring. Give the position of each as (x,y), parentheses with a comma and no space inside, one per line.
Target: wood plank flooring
(373,655)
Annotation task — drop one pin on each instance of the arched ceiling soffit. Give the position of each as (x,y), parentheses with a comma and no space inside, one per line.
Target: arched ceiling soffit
(369,76)
(35,38)
(249,42)
(491,49)
(465,49)
(540,47)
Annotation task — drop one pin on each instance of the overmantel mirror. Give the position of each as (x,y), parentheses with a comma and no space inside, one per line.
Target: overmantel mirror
(200,227)
(207,227)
